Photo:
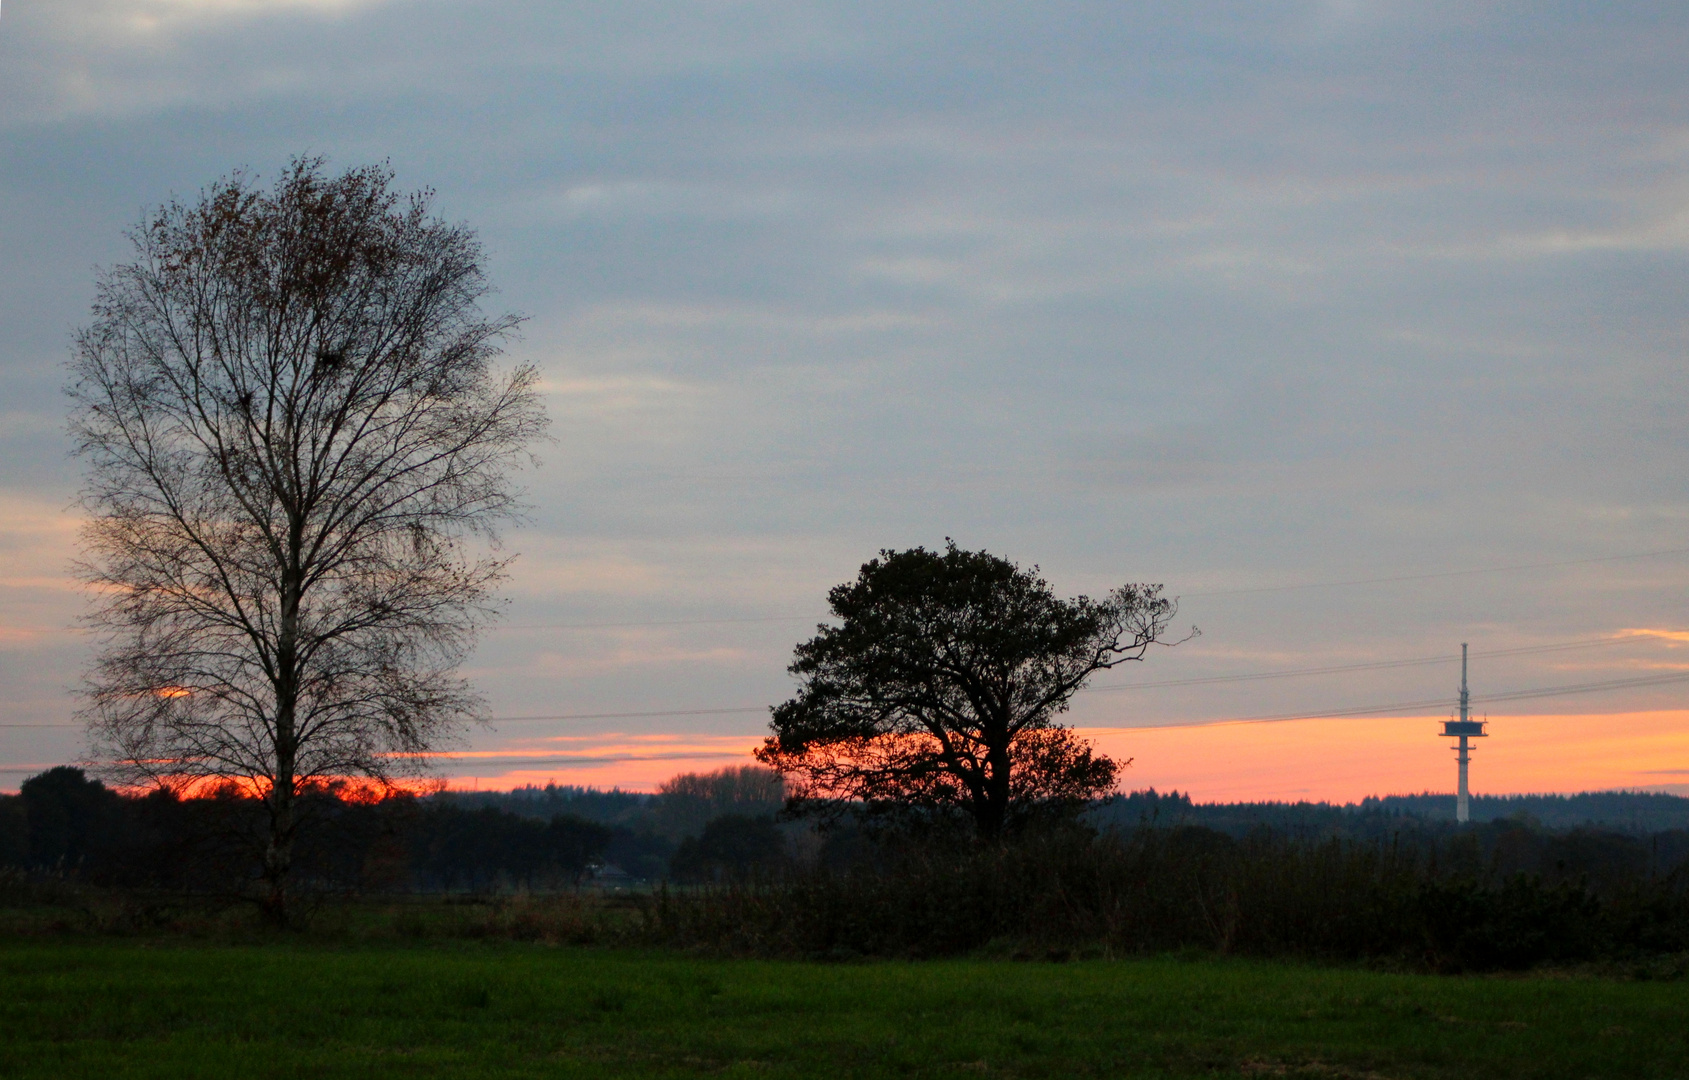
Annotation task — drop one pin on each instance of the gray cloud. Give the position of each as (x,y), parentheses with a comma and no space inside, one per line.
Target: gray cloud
(1215,294)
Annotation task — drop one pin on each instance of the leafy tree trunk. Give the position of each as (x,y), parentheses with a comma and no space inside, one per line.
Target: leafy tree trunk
(992,812)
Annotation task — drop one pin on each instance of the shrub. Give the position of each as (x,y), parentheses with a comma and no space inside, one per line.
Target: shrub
(1154,890)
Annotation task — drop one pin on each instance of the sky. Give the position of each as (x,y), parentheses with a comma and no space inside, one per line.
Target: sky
(1360,326)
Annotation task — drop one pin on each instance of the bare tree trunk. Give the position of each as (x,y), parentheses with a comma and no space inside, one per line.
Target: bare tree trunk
(278,855)
(278,851)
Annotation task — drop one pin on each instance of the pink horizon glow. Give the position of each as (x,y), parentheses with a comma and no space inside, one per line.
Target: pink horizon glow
(1337,759)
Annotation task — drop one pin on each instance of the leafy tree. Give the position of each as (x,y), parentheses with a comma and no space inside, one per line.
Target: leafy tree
(71,819)
(295,436)
(939,690)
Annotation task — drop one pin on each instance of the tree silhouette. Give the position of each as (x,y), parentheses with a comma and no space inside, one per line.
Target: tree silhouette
(294,435)
(939,690)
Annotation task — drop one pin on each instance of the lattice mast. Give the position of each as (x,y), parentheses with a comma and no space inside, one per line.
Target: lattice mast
(1465,729)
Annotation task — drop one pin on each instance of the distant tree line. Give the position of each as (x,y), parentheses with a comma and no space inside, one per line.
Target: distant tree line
(62,822)
(1629,812)
(713,827)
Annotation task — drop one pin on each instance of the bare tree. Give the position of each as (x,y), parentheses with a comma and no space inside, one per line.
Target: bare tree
(298,453)
(940,691)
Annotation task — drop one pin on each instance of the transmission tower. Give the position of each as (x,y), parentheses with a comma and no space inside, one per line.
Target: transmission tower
(1465,728)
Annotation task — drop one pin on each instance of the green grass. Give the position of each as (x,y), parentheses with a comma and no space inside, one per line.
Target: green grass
(303,1009)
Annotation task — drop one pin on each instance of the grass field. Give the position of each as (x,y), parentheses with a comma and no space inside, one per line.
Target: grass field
(170,1009)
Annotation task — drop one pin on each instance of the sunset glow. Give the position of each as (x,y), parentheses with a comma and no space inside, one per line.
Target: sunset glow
(1344,760)
(1339,760)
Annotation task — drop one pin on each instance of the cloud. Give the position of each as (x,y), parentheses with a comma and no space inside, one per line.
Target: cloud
(37,542)
(603,395)
(75,58)
(193,9)
(631,761)
(625,650)
(1204,293)
(1673,637)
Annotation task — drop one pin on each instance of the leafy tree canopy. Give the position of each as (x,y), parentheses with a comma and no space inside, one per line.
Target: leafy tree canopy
(939,691)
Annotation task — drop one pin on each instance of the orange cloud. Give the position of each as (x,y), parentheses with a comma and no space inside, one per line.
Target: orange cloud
(1677,637)
(630,762)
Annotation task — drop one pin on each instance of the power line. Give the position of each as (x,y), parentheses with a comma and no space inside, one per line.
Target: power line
(1510,695)
(1534,693)
(656,622)
(1584,688)
(1377,665)
(590,759)
(1213,592)
(556,716)
(1194,595)
(1380,665)
(1441,574)
(495,627)
(629,715)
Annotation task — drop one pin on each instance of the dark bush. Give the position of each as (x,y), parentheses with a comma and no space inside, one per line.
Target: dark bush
(452,848)
(1518,923)
(732,847)
(1156,890)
